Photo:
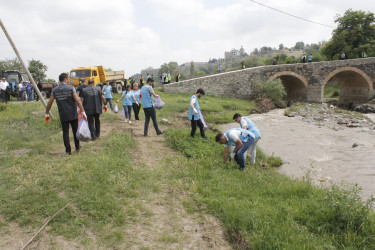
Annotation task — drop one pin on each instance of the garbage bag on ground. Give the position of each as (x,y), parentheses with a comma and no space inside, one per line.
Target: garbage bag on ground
(159,103)
(115,109)
(83,131)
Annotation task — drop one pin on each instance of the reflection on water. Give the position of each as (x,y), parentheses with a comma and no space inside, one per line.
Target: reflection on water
(324,154)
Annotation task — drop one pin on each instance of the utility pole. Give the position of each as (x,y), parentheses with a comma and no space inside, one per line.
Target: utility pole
(24,67)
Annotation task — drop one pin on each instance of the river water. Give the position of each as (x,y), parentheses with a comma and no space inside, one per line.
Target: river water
(323,154)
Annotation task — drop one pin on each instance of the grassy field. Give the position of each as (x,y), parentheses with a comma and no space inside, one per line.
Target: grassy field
(107,190)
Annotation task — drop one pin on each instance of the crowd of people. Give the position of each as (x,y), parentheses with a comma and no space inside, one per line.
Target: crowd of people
(91,100)
(24,91)
(166,78)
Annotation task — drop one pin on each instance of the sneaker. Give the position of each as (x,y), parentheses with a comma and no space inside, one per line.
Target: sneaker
(160,132)
(126,120)
(68,153)
(130,121)
(206,138)
(78,149)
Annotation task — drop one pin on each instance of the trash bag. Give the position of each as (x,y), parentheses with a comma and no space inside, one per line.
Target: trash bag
(79,116)
(115,109)
(123,113)
(159,103)
(202,119)
(83,131)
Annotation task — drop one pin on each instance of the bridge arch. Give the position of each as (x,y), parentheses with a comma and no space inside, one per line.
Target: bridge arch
(295,85)
(355,85)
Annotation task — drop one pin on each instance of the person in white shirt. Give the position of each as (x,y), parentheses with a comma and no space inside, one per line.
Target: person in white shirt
(241,139)
(3,89)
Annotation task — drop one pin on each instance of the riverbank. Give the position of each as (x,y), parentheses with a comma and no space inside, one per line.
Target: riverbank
(317,142)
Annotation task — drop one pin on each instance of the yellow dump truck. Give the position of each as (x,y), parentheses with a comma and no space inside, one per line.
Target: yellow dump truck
(115,78)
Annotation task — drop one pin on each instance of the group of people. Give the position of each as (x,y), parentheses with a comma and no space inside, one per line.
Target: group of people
(25,90)
(238,139)
(309,58)
(89,104)
(166,78)
(88,101)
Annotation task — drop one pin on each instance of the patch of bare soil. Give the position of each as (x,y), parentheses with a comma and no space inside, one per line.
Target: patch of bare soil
(167,224)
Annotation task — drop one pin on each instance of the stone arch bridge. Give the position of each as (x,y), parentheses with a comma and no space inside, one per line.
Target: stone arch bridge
(302,81)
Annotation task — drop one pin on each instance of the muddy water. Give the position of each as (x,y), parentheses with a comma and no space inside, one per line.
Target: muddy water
(326,155)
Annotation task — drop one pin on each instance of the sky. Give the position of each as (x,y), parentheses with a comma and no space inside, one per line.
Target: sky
(133,35)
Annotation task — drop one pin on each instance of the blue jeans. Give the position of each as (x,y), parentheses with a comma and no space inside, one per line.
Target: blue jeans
(128,111)
(240,156)
(110,102)
(28,96)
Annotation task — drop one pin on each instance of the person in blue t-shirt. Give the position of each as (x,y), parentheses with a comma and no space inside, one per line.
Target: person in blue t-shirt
(107,91)
(147,93)
(247,124)
(128,96)
(194,114)
(29,91)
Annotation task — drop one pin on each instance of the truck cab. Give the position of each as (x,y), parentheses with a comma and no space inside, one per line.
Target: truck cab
(78,74)
(100,76)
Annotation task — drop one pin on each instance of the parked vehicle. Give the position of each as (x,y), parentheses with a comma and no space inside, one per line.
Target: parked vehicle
(115,78)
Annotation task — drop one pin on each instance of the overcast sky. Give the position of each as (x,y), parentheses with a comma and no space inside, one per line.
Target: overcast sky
(132,35)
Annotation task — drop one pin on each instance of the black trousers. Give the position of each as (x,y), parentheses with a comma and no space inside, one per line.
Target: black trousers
(65,128)
(3,96)
(95,130)
(150,113)
(194,124)
(136,110)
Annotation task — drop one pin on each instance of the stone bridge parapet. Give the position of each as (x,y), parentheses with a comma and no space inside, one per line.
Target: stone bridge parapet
(302,81)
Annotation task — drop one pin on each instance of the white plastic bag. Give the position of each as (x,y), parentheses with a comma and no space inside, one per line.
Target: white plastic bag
(115,109)
(159,103)
(202,119)
(83,131)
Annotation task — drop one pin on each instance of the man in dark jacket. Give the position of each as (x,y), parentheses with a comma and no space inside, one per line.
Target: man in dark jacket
(92,98)
(67,101)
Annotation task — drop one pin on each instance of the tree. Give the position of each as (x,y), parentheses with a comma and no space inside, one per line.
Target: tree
(354,34)
(281,46)
(299,45)
(171,67)
(38,70)
(10,64)
(192,69)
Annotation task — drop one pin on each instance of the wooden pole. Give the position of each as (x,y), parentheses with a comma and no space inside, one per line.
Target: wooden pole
(24,67)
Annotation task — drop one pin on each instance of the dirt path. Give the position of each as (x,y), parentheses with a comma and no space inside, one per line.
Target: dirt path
(171,226)
(167,224)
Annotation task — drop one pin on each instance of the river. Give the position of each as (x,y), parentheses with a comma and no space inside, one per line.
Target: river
(324,154)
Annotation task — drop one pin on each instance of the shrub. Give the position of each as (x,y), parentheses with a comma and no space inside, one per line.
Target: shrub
(271,91)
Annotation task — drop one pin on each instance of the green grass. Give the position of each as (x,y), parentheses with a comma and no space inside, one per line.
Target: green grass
(332,90)
(215,110)
(259,208)
(262,209)
(97,183)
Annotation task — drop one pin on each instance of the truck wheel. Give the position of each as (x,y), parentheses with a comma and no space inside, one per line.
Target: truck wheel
(44,94)
(118,88)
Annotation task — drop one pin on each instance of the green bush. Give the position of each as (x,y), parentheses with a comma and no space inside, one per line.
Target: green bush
(273,90)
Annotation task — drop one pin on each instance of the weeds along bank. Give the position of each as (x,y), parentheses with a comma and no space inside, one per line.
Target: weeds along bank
(259,208)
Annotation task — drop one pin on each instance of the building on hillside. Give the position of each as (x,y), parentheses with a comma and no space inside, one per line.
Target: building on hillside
(234,53)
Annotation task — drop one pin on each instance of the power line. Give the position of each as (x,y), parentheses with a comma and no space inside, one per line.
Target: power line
(292,15)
